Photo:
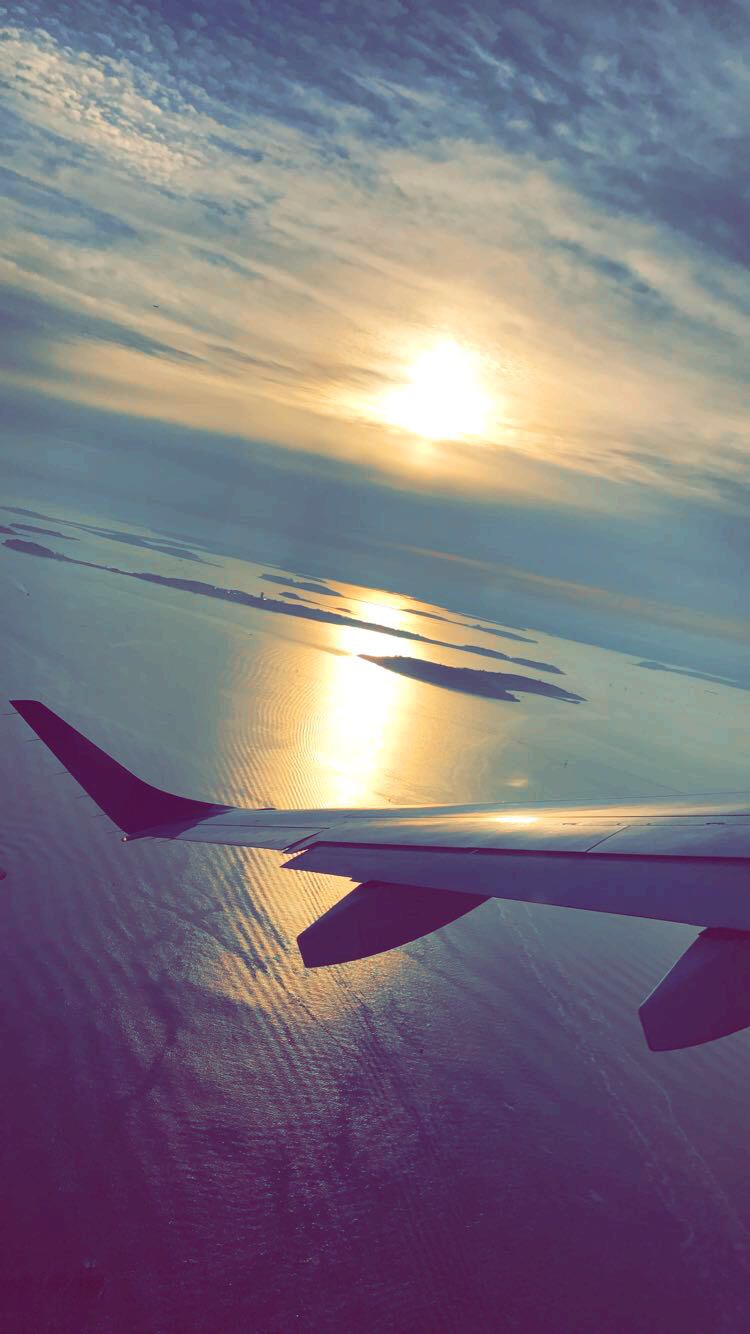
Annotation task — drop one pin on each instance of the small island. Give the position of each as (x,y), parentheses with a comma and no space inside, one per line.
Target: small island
(471,681)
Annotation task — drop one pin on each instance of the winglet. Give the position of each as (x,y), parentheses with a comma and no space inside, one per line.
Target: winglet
(133,805)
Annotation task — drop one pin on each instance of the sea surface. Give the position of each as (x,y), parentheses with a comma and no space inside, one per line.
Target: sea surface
(468,1133)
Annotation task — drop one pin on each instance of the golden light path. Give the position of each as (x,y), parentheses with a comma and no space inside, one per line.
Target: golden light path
(364,713)
(360,718)
(444,398)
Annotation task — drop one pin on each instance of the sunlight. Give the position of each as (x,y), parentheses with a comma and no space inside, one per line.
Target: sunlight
(364,712)
(443,399)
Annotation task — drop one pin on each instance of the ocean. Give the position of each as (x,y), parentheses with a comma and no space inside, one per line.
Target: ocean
(466,1133)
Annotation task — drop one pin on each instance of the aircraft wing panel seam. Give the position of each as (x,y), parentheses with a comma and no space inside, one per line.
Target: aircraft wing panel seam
(553,854)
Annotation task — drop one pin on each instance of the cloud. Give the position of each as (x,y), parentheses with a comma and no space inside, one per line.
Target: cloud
(35,328)
(261,211)
(664,579)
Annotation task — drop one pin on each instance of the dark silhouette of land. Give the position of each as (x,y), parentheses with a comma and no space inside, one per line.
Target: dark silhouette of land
(495,630)
(30,514)
(178,549)
(470,681)
(699,676)
(533,664)
(262,603)
(466,625)
(36,549)
(308,585)
(45,532)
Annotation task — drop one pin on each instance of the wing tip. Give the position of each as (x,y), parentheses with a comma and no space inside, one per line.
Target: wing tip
(132,804)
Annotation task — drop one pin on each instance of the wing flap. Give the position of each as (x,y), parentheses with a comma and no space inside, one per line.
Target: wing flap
(706,995)
(376,917)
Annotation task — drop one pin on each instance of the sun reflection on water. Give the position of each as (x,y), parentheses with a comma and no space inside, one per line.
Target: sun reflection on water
(363,711)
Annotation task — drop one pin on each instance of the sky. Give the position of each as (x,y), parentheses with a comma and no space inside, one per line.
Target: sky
(235,235)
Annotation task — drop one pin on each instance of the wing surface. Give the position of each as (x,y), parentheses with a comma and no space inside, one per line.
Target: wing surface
(686,860)
(416,869)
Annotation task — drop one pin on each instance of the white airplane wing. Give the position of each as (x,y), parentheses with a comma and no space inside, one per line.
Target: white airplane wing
(417,869)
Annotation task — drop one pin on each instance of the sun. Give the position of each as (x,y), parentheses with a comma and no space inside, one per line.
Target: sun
(443,398)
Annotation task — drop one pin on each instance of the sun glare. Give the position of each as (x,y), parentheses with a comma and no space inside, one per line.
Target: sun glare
(443,399)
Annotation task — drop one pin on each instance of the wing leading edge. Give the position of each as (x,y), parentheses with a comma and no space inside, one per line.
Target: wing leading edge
(417,869)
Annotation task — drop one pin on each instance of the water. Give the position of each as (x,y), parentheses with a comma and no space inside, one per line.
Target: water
(465,1133)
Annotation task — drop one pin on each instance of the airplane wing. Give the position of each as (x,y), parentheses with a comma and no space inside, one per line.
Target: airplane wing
(417,869)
